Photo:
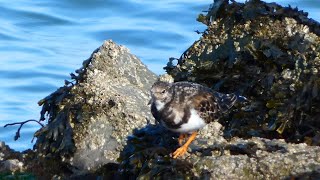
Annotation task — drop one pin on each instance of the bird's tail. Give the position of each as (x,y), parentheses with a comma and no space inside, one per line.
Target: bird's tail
(241,98)
(226,101)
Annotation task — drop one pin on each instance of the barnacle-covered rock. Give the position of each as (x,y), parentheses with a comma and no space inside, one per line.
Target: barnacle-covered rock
(89,119)
(268,53)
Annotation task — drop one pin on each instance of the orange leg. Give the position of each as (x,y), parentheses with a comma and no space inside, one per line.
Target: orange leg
(181,138)
(183,149)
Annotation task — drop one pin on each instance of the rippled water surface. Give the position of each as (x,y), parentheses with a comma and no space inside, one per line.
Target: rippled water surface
(41,42)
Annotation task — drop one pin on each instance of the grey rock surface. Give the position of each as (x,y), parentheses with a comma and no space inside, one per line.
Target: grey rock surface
(90,119)
(259,158)
(119,83)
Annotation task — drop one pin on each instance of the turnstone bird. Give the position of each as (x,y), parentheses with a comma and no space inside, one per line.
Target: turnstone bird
(186,107)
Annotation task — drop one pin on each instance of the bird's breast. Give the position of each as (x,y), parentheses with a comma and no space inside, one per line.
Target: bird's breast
(181,120)
(159,105)
(193,123)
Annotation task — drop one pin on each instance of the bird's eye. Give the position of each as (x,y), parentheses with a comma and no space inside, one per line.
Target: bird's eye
(163,91)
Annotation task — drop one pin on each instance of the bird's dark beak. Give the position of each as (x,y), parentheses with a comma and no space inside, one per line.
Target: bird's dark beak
(151,99)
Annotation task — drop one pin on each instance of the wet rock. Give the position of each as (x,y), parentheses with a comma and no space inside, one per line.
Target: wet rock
(267,53)
(90,118)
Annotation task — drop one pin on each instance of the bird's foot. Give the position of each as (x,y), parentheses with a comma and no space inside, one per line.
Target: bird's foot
(180,151)
(181,138)
(183,149)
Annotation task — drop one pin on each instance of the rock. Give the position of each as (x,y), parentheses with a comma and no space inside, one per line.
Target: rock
(2,149)
(11,165)
(7,153)
(267,53)
(10,160)
(89,120)
(259,158)
(166,78)
(263,51)
(147,155)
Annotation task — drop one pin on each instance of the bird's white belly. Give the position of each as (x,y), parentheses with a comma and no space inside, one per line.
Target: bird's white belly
(194,123)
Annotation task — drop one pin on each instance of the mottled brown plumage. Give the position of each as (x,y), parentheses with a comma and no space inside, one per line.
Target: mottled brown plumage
(206,106)
(185,107)
(210,105)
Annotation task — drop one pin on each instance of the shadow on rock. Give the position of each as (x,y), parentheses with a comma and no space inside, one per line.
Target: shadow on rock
(148,154)
(313,175)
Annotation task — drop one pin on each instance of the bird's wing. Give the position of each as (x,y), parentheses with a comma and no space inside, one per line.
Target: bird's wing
(207,106)
(211,105)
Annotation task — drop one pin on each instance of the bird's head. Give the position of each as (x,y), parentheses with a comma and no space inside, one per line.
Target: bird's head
(161,92)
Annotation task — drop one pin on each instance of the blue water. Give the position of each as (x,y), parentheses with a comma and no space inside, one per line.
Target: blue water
(41,42)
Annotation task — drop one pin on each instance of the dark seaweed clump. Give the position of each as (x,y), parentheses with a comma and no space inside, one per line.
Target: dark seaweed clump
(147,156)
(268,53)
(58,109)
